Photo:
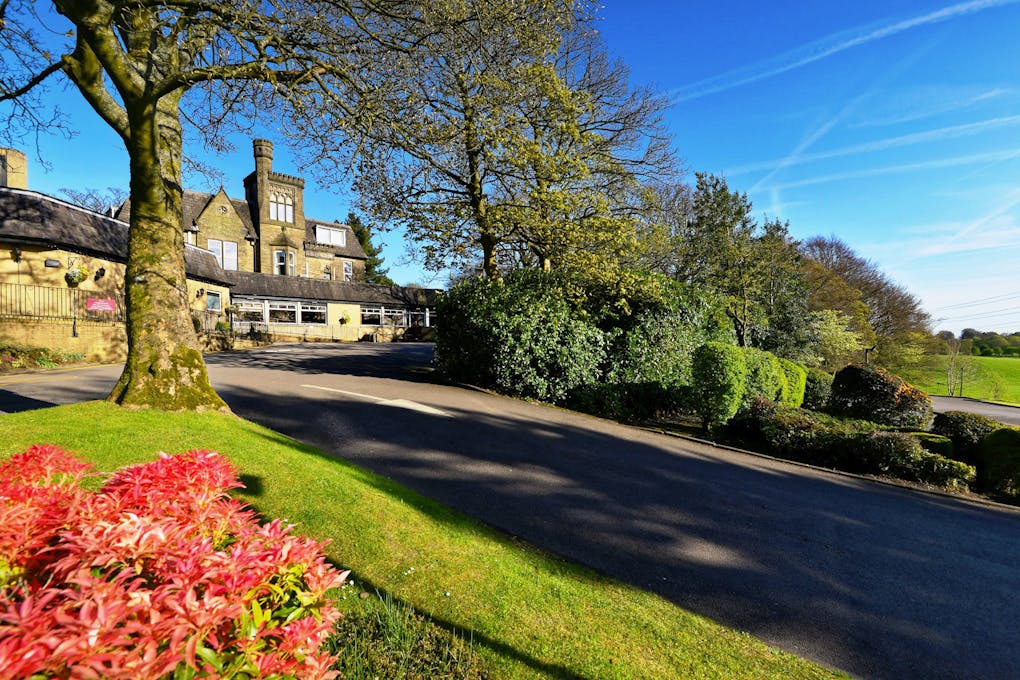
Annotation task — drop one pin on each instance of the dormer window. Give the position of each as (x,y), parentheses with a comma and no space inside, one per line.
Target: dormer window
(281,207)
(331,235)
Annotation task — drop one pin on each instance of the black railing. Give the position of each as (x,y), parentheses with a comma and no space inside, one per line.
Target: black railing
(47,302)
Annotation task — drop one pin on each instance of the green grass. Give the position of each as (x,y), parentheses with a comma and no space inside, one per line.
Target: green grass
(526,614)
(987,378)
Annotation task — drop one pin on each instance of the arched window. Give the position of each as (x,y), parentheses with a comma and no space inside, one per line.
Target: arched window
(281,207)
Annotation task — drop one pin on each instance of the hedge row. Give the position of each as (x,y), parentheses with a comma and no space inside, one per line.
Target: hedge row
(852,446)
(726,378)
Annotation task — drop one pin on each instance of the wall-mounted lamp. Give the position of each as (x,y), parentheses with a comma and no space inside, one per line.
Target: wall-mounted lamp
(199,293)
(100,273)
(16,254)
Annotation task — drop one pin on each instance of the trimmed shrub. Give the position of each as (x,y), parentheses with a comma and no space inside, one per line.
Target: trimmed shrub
(867,393)
(719,374)
(628,401)
(999,462)
(796,379)
(935,443)
(765,376)
(158,574)
(519,336)
(966,430)
(852,446)
(817,389)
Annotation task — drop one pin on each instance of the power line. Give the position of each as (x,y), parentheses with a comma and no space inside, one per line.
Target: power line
(982,301)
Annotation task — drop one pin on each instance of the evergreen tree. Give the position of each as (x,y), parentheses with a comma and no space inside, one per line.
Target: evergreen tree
(374,273)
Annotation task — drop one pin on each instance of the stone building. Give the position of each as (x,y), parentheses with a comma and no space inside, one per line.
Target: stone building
(252,263)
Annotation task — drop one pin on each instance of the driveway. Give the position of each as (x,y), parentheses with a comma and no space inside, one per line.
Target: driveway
(1004,414)
(878,581)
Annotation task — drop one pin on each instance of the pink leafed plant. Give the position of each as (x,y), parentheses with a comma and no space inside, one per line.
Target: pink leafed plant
(158,574)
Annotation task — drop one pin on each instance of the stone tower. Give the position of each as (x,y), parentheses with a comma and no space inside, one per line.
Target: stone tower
(277,202)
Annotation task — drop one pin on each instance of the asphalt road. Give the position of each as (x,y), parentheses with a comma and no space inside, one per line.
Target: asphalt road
(1000,412)
(878,581)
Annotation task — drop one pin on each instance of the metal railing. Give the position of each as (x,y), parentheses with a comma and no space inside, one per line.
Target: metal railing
(49,302)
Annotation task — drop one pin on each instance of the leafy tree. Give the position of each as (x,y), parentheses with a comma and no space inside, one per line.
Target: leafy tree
(374,273)
(143,67)
(834,343)
(755,267)
(893,314)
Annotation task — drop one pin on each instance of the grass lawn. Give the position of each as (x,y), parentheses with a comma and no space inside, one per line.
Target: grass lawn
(988,378)
(527,613)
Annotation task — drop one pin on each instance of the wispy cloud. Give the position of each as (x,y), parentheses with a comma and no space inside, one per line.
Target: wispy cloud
(907,105)
(954,161)
(826,47)
(936,135)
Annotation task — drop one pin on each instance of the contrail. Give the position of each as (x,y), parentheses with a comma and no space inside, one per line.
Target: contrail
(825,47)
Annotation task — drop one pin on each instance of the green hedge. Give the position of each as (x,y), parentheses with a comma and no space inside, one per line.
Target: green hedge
(719,375)
(852,446)
(999,462)
(966,430)
(765,376)
(796,381)
(867,393)
(817,389)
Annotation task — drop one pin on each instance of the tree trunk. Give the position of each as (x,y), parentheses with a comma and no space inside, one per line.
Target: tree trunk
(164,367)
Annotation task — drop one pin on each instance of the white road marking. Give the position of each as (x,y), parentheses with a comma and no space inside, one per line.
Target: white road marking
(398,403)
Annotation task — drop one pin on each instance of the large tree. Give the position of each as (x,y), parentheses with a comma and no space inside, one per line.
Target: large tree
(144,66)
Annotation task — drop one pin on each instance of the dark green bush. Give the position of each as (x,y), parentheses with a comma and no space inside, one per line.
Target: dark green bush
(765,376)
(852,446)
(519,336)
(629,401)
(796,379)
(867,393)
(817,389)
(719,373)
(999,462)
(966,430)
(935,443)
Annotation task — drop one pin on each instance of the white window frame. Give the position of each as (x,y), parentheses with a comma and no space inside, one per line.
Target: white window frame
(334,236)
(281,207)
(348,271)
(213,301)
(280,262)
(291,263)
(225,253)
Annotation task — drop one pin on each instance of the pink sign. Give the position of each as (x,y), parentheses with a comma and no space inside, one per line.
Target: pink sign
(101,304)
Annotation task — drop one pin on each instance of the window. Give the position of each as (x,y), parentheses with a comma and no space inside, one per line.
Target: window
(213,301)
(313,313)
(281,207)
(250,311)
(291,263)
(383,316)
(282,312)
(280,262)
(327,273)
(225,252)
(333,236)
(371,316)
(348,270)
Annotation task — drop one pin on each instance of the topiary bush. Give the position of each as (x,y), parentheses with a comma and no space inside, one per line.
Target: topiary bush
(817,389)
(935,443)
(796,380)
(999,462)
(158,574)
(719,373)
(866,393)
(966,430)
(765,376)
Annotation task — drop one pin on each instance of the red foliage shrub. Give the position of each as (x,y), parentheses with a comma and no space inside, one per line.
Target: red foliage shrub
(160,573)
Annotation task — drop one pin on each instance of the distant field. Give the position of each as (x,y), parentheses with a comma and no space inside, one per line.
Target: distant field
(987,378)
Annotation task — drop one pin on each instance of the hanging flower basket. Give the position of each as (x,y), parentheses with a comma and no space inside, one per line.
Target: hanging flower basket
(76,275)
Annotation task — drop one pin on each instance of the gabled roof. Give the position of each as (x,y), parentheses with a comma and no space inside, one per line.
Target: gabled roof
(33,218)
(300,288)
(194,204)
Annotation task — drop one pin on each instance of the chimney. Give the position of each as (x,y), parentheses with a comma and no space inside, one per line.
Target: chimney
(13,169)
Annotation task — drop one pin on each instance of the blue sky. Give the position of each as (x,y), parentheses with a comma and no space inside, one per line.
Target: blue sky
(893,125)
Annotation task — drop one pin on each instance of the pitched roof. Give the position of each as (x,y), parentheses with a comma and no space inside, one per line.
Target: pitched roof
(31,217)
(297,287)
(193,203)
(351,248)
